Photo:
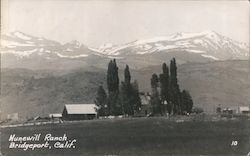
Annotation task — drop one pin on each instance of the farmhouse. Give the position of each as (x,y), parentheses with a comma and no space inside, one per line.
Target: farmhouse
(79,112)
(145,105)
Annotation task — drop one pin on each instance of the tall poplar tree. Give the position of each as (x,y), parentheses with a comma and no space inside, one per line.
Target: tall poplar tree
(114,106)
(164,85)
(129,94)
(174,88)
(155,99)
(126,92)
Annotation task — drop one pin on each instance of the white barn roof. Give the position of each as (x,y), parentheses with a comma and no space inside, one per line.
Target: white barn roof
(243,108)
(55,115)
(81,108)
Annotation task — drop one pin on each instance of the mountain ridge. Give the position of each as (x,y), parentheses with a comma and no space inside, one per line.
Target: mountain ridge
(26,50)
(180,40)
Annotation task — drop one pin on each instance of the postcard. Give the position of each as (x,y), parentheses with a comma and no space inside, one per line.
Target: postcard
(124,78)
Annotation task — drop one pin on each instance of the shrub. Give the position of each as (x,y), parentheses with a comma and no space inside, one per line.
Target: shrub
(197,110)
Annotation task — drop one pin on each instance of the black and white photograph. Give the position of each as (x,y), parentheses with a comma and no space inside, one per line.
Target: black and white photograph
(125,78)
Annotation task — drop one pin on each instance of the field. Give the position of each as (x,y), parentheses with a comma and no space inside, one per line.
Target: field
(140,136)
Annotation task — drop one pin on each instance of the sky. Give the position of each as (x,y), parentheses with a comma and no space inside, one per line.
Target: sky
(95,23)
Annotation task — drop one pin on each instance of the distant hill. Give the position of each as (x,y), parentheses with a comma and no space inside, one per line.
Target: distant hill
(32,93)
(225,83)
(40,92)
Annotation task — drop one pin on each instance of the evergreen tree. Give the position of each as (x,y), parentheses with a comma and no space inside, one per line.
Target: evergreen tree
(116,77)
(109,84)
(125,101)
(112,77)
(164,84)
(101,102)
(136,96)
(189,102)
(129,94)
(127,77)
(174,88)
(126,98)
(186,102)
(154,81)
(155,100)
(114,105)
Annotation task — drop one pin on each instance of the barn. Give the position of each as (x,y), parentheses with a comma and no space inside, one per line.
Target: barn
(79,112)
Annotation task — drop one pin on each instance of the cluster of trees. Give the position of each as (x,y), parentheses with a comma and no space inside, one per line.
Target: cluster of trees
(122,99)
(166,95)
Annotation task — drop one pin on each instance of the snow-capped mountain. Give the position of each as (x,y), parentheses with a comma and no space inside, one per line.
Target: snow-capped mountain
(23,45)
(22,50)
(208,44)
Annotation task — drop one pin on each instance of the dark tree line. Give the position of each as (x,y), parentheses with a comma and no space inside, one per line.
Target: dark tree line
(121,100)
(171,98)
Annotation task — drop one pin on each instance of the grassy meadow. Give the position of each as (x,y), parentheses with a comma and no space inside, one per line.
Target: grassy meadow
(140,137)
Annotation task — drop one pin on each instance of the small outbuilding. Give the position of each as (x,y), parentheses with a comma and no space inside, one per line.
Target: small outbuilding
(55,115)
(244,110)
(79,112)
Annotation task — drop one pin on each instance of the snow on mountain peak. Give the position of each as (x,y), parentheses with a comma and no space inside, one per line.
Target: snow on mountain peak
(75,43)
(207,44)
(177,36)
(155,39)
(143,44)
(21,35)
(186,35)
(105,46)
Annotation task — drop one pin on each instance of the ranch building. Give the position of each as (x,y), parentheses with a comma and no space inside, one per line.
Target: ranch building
(145,105)
(79,112)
